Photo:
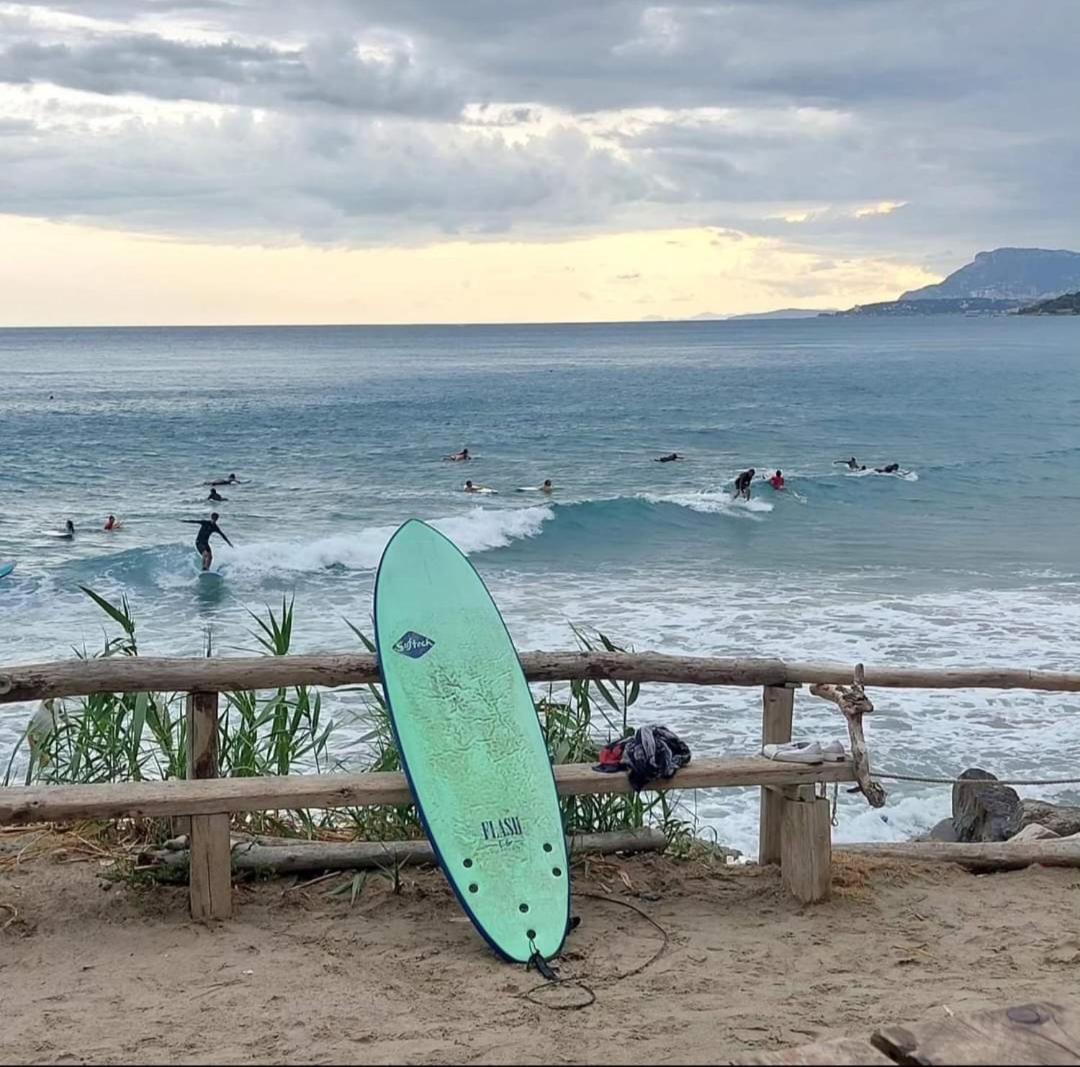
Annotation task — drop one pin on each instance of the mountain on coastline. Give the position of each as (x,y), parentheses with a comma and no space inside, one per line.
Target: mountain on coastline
(1025,274)
(997,282)
(783,313)
(1067,304)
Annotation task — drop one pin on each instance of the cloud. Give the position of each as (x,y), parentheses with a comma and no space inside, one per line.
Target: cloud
(872,127)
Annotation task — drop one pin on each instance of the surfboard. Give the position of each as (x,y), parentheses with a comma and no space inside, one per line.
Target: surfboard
(471,744)
(6,568)
(211,576)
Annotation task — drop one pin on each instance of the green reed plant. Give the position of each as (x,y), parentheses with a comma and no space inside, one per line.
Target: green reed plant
(143,736)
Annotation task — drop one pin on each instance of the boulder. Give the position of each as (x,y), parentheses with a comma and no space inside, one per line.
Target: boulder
(1061,818)
(942,831)
(1034,832)
(983,809)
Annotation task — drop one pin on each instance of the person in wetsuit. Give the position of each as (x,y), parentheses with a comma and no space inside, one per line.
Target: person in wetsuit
(669,458)
(207,527)
(892,468)
(231,480)
(216,496)
(742,483)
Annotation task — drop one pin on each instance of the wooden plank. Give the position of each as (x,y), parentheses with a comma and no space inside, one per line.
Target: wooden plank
(843,1051)
(806,847)
(132,674)
(290,857)
(777,707)
(211,868)
(977,856)
(1040,1033)
(211,864)
(21,806)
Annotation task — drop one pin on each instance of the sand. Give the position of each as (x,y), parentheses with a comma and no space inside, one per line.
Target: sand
(93,971)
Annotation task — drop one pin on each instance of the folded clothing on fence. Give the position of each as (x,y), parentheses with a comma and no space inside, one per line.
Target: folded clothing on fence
(653,752)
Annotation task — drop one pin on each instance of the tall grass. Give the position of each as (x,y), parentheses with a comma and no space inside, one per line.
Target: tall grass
(143,736)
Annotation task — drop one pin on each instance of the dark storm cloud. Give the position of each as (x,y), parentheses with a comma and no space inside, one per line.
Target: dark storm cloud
(387,119)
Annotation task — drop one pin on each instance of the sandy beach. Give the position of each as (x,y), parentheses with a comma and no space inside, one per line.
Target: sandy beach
(94,971)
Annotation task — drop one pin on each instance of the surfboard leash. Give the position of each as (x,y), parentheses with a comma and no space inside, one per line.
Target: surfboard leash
(552,977)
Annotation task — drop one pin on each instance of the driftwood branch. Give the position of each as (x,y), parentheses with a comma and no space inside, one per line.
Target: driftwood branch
(121,674)
(854,703)
(978,856)
(303,856)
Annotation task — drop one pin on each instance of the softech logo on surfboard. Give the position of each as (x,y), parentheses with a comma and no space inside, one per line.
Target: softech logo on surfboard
(414,645)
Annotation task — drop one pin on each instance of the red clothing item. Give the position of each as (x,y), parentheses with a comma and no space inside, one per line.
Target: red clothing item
(777,481)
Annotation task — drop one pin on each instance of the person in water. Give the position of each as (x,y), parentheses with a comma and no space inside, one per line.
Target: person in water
(777,480)
(216,496)
(111,523)
(852,464)
(892,468)
(69,530)
(547,487)
(669,458)
(460,457)
(231,480)
(207,527)
(742,483)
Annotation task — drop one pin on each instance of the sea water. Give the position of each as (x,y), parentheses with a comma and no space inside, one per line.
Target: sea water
(339,434)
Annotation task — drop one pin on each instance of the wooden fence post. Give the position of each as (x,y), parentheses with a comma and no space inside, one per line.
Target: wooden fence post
(806,866)
(211,854)
(778,703)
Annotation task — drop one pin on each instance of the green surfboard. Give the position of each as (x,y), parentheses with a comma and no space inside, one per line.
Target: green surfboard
(471,744)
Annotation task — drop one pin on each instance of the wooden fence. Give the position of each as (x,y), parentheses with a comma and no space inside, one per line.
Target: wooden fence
(794,827)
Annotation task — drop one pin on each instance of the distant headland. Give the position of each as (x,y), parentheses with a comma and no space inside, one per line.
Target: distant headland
(1004,281)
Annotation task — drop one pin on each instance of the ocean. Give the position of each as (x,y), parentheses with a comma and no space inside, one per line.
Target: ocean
(338,434)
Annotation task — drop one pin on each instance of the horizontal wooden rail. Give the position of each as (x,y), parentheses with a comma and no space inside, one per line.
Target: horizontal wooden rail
(20,806)
(129,674)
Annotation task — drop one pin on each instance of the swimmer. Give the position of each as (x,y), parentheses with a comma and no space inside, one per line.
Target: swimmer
(669,458)
(742,483)
(852,464)
(111,523)
(216,496)
(202,538)
(459,457)
(777,480)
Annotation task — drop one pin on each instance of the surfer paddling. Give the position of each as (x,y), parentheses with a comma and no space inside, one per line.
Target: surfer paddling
(669,458)
(207,527)
(216,496)
(231,480)
(472,487)
(459,457)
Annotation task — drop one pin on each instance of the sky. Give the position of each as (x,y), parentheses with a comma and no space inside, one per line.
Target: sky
(266,161)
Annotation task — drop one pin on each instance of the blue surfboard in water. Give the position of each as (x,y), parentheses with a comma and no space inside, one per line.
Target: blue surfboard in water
(6,568)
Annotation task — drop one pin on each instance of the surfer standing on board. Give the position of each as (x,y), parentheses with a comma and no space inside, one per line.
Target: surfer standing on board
(742,483)
(202,538)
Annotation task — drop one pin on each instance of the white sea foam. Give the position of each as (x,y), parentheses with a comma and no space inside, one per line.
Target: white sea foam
(478,530)
(711,502)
